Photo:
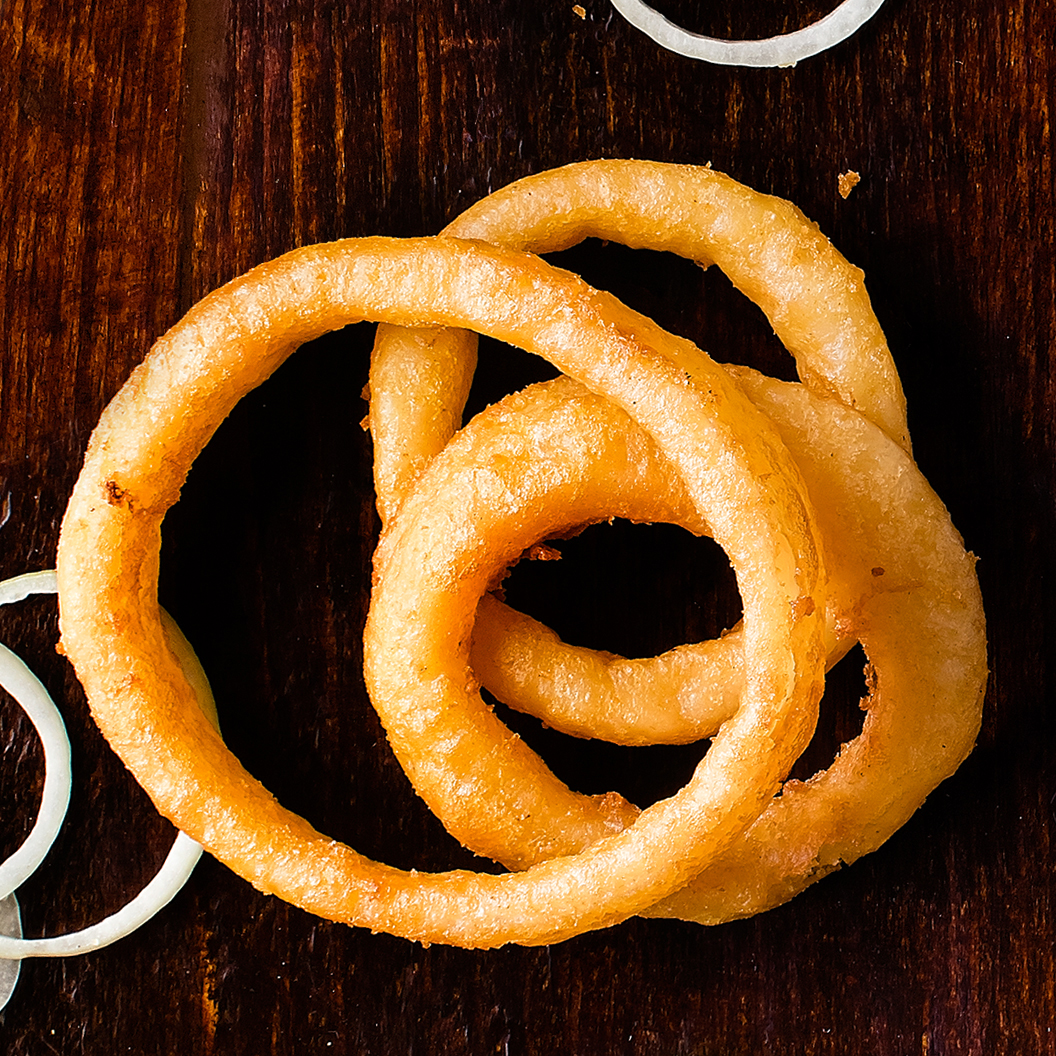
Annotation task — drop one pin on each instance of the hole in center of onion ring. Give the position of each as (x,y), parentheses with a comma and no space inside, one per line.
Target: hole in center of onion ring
(502,369)
(643,775)
(735,20)
(840,716)
(614,586)
(686,299)
(293,707)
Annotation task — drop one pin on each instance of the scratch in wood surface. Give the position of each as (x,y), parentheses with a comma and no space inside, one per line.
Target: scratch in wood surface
(388,61)
(301,192)
(204,36)
(424,111)
(208,996)
(339,119)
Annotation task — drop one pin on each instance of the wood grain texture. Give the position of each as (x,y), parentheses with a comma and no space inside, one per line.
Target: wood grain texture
(152,151)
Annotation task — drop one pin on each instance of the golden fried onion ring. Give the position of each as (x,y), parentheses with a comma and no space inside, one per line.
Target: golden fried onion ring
(819,308)
(736,471)
(905,587)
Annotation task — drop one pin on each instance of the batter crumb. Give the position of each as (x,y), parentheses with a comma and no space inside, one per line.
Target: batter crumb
(848,181)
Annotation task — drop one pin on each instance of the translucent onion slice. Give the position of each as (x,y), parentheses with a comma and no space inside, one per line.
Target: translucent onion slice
(30,694)
(784,50)
(10,924)
(173,874)
(36,702)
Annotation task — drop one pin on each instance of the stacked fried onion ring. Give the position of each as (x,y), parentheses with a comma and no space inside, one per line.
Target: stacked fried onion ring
(810,490)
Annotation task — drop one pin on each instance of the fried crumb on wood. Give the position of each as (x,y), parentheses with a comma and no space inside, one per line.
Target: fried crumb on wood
(848,181)
(542,552)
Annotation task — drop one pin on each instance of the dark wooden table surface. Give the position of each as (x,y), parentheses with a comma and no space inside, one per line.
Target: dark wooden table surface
(153,150)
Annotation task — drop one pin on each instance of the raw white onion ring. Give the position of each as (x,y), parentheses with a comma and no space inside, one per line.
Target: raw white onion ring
(36,702)
(26,689)
(173,874)
(10,924)
(784,50)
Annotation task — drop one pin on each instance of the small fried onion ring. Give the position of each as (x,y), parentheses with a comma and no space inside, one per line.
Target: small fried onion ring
(907,590)
(735,470)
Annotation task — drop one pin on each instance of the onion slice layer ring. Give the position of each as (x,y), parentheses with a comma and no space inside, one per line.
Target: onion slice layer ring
(784,50)
(24,687)
(28,691)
